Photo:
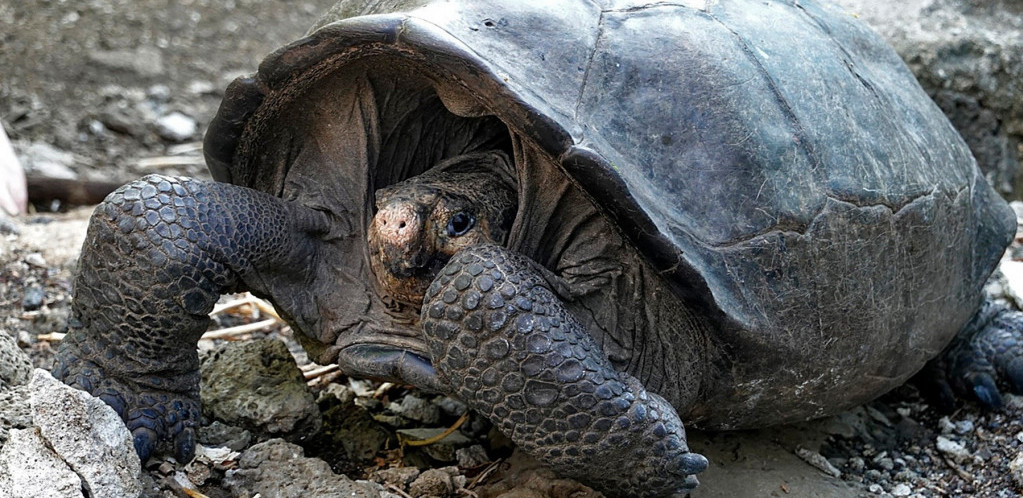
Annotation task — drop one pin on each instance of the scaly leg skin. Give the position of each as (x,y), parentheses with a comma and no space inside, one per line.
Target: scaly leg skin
(509,348)
(159,253)
(986,358)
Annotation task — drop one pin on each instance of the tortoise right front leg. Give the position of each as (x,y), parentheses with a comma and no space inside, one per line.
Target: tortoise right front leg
(513,352)
(159,253)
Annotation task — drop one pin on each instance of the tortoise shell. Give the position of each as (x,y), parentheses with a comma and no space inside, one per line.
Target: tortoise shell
(774,162)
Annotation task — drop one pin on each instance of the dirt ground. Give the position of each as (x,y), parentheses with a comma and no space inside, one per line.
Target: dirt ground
(85,90)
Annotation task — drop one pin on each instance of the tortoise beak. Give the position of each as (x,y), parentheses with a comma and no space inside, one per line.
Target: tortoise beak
(397,232)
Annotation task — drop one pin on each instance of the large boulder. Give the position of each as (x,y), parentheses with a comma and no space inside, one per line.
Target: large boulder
(968,55)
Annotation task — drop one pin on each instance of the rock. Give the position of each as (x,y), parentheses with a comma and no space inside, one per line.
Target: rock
(954,450)
(352,428)
(256,385)
(15,365)
(818,461)
(418,409)
(433,482)
(281,469)
(1016,469)
(144,61)
(399,477)
(221,434)
(34,298)
(30,469)
(968,55)
(15,411)
(43,159)
(88,435)
(964,426)
(902,490)
(471,457)
(176,127)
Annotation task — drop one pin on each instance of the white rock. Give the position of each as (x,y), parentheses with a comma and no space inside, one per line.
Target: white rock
(902,490)
(43,159)
(176,127)
(952,449)
(817,460)
(88,435)
(30,469)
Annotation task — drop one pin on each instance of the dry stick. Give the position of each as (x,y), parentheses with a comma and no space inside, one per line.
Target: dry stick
(52,337)
(485,474)
(398,490)
(240,329)
(260,304)
(438,437)
(316,371)
(962,473)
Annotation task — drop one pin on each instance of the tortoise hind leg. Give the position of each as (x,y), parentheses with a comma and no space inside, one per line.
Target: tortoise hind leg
(158,254)
(985,358)
(510,349)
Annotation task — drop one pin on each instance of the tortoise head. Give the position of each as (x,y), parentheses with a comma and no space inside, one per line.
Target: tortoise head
(422,222)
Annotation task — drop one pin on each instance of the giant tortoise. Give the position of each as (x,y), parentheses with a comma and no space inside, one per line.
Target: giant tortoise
(591,220)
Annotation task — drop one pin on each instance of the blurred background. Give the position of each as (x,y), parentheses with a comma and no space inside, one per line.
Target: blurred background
(104,91)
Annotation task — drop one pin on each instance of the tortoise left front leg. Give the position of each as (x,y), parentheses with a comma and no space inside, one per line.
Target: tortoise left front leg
(508,347)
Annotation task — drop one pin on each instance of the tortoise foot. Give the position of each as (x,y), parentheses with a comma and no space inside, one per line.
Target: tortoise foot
(159,416)
(985,359)
(508,347)
(159,253)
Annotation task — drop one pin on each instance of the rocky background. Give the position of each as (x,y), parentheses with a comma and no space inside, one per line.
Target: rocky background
(109,90)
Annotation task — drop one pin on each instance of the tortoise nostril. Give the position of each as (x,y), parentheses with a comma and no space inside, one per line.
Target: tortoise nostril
(401,225)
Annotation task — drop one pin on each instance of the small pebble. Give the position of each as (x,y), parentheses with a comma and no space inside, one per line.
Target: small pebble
(34,298)
(471,457)
(953,449)
(902,490)
(946,426)
(35,259)
(964,426)
(176,127)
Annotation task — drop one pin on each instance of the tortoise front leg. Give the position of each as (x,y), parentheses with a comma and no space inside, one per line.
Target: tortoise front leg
(159,253)
(508,347)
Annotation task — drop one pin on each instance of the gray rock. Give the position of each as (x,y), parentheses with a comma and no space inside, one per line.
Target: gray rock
(43,159)
(968,55)
(818,461)
(354,429)
(471,457)
(418,409)
(433,482)
(221,434)
(145,61)
(953,449)
(88,435)
(30,469)
(34,298)
(15,411)
(902,490)
(256,385)
(281,469)
(176,127)
(15,365)
(399,477)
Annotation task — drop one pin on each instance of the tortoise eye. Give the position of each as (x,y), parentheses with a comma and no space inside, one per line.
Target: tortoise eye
(460,224)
